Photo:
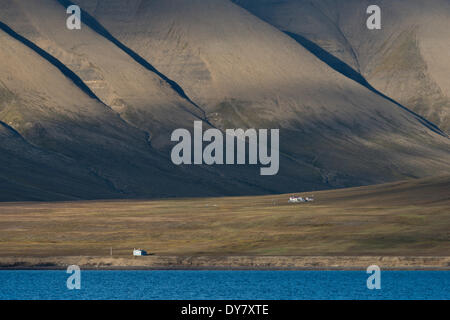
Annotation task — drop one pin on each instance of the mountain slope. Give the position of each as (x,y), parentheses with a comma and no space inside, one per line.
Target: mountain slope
(246,73)
(107,97)
(129,165)
(139,96)
(57,116)
(34,174)
(407,59)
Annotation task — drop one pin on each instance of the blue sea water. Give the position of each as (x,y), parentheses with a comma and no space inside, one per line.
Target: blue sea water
(224,285)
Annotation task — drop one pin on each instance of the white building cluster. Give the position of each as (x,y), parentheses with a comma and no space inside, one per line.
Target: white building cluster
(294,199)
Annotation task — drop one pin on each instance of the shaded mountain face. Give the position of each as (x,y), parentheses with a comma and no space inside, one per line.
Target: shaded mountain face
(244,72)
(31,173)
(48,111)
(139,96)
(106,98)
(407,59)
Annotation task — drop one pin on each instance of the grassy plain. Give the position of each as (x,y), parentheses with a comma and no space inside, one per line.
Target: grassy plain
(409,218)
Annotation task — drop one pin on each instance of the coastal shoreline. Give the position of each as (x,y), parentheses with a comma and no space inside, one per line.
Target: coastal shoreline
(155,262)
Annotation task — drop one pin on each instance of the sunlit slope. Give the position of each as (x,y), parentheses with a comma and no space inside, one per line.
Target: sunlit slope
(51,112)
(129,165)
(246,73)
(407,59)
(140,96)
(59,117)
(107,97)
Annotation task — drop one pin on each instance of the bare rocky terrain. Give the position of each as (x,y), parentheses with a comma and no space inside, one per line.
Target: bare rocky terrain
(105,98)
(406,60)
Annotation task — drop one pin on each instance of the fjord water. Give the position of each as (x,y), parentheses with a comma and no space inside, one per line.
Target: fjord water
(224,285)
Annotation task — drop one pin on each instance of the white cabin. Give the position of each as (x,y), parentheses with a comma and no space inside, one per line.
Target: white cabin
(139,252)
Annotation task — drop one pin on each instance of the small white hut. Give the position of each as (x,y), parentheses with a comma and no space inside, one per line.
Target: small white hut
(139,252)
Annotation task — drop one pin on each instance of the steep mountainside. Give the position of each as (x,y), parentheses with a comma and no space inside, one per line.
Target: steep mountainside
(139,95)
(244,72)
(408,59)
(52,113)
(33,174)
(106,98)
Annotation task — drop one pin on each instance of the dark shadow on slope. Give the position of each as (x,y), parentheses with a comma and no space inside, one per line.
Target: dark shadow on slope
(62,67)
(91,22)
(351,73)
(329,59)
(55,62)
(11,129)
